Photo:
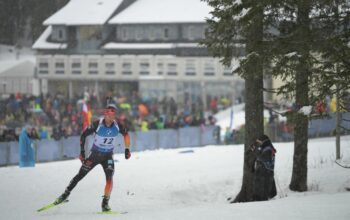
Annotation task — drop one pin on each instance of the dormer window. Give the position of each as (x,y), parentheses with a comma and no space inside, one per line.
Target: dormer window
(139,33)
(151,33)
(166,33)
(60,34)
(191,33)
(124,34)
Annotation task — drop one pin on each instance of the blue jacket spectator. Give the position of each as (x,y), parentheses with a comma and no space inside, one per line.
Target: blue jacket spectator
(26,148)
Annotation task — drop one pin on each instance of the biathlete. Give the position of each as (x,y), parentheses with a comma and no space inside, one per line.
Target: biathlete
(105,132)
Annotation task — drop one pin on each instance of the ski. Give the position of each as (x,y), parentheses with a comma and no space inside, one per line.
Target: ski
(111,213)
(50,206)
(342,164)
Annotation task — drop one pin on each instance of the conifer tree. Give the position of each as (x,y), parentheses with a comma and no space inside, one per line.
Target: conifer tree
(299,42)
(236,22)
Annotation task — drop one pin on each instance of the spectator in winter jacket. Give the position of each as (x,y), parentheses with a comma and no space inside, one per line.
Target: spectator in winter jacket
(264,187)
(26,148)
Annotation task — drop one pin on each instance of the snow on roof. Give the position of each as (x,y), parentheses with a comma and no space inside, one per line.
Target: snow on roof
(11,53)
(163,11)
(8,64)
(84,12)
(11,57)
(136,46)
(42,42)
(15,68)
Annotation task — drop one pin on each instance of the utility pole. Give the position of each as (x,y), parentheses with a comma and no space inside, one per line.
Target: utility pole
(337,140)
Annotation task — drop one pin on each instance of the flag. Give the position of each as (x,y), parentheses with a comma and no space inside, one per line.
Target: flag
(86,116)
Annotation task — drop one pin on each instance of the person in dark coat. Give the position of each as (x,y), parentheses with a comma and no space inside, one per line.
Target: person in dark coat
(264,187)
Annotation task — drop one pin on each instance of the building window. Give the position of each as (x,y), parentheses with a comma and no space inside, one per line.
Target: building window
(93,72)
(151,33)
(76,68)
(209,69)
(227,71)
(43,72)
(60,34)
(140,33)
(191,33)
(90,32)
(93,68)
(110,69)
(76,65)
(172,69)
(44,65)
(59,67)
(59,72)
(131,34)
(126,68)
(124,34)
(166,33)
(93,65)
(160,68)
(190,68)
(144,68)
(205,31)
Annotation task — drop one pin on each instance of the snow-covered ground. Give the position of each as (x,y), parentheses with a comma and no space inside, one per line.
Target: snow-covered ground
(181,184)
(224,117)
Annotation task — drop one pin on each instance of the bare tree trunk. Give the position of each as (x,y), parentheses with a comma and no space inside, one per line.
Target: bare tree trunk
(299,175)
(254,126)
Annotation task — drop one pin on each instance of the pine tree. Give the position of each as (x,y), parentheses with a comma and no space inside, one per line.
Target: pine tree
(333,45)
(286,36)
(310,53)
(242,22)
(16,14)
(301,42)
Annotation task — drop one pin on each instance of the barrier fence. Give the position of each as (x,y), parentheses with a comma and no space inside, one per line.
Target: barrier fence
(322,127)
(66,148)
(51,150)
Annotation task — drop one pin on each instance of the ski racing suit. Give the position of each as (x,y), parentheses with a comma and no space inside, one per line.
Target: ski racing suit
(105,139)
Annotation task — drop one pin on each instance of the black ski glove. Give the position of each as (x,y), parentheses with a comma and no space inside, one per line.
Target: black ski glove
(127,153)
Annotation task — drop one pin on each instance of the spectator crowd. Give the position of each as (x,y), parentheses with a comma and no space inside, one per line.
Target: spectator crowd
(56,116)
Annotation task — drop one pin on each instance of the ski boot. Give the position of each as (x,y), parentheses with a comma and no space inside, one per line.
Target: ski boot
(62,197)
(105,206)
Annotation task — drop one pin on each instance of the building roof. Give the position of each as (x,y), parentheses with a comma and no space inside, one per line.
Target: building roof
(163,11)
(11,57)
(84,12)
(23,68)
(42,42)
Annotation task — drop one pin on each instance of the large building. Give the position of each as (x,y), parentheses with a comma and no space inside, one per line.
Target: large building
(147,45)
